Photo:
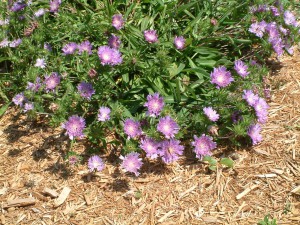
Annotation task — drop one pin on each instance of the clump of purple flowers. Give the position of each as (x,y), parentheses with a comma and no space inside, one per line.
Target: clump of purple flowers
(118,21)
(258,28)
(155,104)
(104,114)
(289,18)
(95,163)
(151,147)
(109,56)
(171,150)
(168,127)
(19,99)
(69,48)
(261,110)
(179,42)
(241,68)
(254,133)
(86,90)
(150,36)
(85,46)
(34,86)
(114,41)
(28,106)
(15,43)
(40,12)
(221,77)
(132,128)
(54,5)
(18,6)
(74,126)
(52,81)
(211,114)
(250,97)
(131,163)
(40,63)
(203,145)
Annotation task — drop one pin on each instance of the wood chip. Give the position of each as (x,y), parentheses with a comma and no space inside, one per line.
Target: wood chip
(3,191)
(52,193)
(277,171)
(162,219)
(20,202)
(87,199)
(246,191)
(2,219)
(39,196)
(259,151)
(268,175)
(187,192)
(296,190)
(62,197)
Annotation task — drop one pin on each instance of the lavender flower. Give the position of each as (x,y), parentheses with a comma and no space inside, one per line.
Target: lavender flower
(283,30)
(168,127)
(151,147)
(132,128)
(179,42)
(114,41)
(171,150)
(274,11)
(34,86)
(250,97)
(47,47)
(211,114)
(254,133)
(131,163)
(118,21)
(258,28)
(28,106)
(86,90)
(85,46)
(278,46)
(40,12)
(203,145)
(4,43)
(52,81)
(19,99)
(150,36)
(104,114)
(95,163)
(18,6)
(241,68)
(54,5)
(15,43)
(73,159)
(155,104)
(289,18)
(109,56)
(221,77)
(40,63)
(69,48)
(74,126)
(261,110)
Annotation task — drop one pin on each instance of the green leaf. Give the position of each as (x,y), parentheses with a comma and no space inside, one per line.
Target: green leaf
(4,108)
(210,160)
(227,162)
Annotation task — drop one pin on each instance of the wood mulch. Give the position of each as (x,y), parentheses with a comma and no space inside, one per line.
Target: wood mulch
(38,187)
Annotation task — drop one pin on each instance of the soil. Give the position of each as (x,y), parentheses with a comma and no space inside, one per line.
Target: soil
(264,179)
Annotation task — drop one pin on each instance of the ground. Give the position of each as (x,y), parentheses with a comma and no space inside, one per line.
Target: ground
(262,182)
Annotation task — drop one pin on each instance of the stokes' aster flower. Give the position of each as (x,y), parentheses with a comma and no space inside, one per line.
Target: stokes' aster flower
(40,63)
(241,68)
(15,43)
(171,150)
(131,163)
(34,86)
(19,99)
(151,36)
(47,47)
(4,43)
(203,145)
(289,18)
(69,48)
(261,110)
(74,127)
(39,13)
(28,106)
(104,114)
(95,163)
(54,5)
(154,104)
(132,128)
(258,28)
(254,133)
(274,11)
(179,42)
(150,146)
(52,81)
(250,97)
(117,21)
(211,114)
(221,77)
(18,6)
(114,41)
(85,47)
(168,127)
(109,56)
(86,90)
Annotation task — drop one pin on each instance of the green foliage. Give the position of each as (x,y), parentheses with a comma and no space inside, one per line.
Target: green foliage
(266,221)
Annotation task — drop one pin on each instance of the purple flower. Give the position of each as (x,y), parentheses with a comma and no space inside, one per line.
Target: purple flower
(95,163)
(151,36)
(241,68)
(4,22)
(179,42)
(4,43)
(236,116)
(168,127)
(221,77)
(274,11)
(52,81)
(109,56)
(85,46)
(34,86)
(40,63)
(151,147)
(28,106)
(73,159)
(117,21)
(15,43)
(86,90)
(283,30)
(104,114)
(18,6)
(278,46)
(39,13)
(132,128)
(250,97)
(69,48)
(261,110)
(211,114)
(258,28)
(54,5)
(74,126)
(114,41)
(155,104)
(254,133)
(47,47)
(289,18)
(131,163)
(171,150)
(203,145)
(19,99)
